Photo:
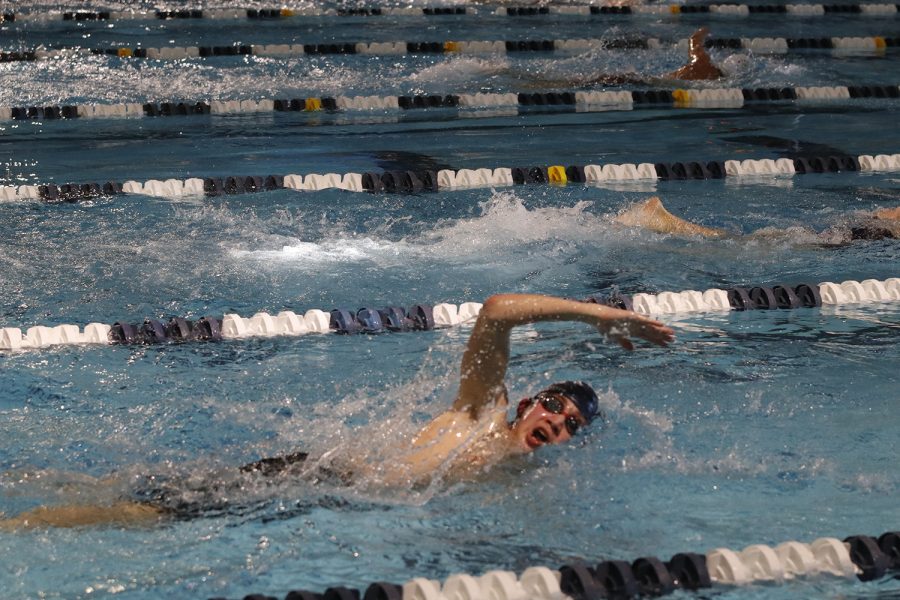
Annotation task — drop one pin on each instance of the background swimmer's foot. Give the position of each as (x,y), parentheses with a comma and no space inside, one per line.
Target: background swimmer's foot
(652,215)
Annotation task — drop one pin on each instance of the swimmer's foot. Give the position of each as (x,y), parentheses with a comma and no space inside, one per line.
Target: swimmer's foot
(651,214)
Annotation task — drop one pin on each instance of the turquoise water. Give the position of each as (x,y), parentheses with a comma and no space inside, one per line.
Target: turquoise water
(753,428)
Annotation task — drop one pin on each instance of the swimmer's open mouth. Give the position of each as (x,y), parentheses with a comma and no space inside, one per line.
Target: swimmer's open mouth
(539,436)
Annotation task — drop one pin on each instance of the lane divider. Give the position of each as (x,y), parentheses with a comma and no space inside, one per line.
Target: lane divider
(838,45)
(234,13)
(579,101)
(233,326)
(415,182)
(741,10)
(856,557)
(424,317)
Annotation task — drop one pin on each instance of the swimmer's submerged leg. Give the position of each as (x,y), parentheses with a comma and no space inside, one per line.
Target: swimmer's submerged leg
(75,515)
(651,214)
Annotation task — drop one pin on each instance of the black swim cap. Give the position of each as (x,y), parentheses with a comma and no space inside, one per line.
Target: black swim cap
(581,394)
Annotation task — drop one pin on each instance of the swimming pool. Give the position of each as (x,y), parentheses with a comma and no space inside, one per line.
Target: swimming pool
(756,427)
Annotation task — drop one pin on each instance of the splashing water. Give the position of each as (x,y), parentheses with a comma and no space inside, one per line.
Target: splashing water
(505,224)
(460,70)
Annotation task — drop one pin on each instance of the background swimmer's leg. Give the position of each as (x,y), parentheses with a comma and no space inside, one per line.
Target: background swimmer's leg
(651,214)
(268,467)
(614,79)
(788,148)
(401,160)
(121,513)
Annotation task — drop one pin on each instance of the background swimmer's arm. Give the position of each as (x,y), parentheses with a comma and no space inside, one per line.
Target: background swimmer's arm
(887,214)
(697,44)
(700,66)
(484,363)
(652,215)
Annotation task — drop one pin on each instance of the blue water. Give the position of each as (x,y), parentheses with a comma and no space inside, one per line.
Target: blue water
(753,428)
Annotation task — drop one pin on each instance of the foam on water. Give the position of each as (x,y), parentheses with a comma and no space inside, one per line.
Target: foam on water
(316,255)
(458,71)
(105,80)
(505,224)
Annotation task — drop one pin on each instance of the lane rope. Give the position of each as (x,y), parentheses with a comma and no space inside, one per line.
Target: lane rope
(740,10)
(415,182)
(424,317)
(856,557)
(579,101)
(838,45)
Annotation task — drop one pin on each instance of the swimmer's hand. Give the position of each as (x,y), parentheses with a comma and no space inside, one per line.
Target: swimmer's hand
(699,36)
(623,325)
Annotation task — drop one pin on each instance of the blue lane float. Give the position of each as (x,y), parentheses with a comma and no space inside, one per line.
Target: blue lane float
(858,557)
(426,317)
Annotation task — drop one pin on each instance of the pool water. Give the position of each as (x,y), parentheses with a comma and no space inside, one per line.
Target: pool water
(755,427)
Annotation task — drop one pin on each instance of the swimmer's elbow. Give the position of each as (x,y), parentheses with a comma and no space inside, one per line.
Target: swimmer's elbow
(497,306)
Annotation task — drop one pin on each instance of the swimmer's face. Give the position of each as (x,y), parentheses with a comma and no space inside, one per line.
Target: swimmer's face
(547,418)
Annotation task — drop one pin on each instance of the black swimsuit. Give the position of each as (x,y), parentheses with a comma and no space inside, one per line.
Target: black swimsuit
(178,498)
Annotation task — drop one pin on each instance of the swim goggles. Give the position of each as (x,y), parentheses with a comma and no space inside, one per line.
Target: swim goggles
(555,405)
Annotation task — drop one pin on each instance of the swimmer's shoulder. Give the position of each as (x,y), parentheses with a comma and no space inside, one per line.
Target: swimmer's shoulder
(448,423)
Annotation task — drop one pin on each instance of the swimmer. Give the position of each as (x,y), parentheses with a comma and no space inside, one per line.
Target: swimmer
(699,68)
(650,214)
(474,433)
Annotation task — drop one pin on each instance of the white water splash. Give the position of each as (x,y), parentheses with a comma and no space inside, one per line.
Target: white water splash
(459,70)
(341,249)
(504,225)
(505,222)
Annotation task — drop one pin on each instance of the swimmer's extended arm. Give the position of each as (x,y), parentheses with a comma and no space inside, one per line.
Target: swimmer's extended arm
(484,363)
